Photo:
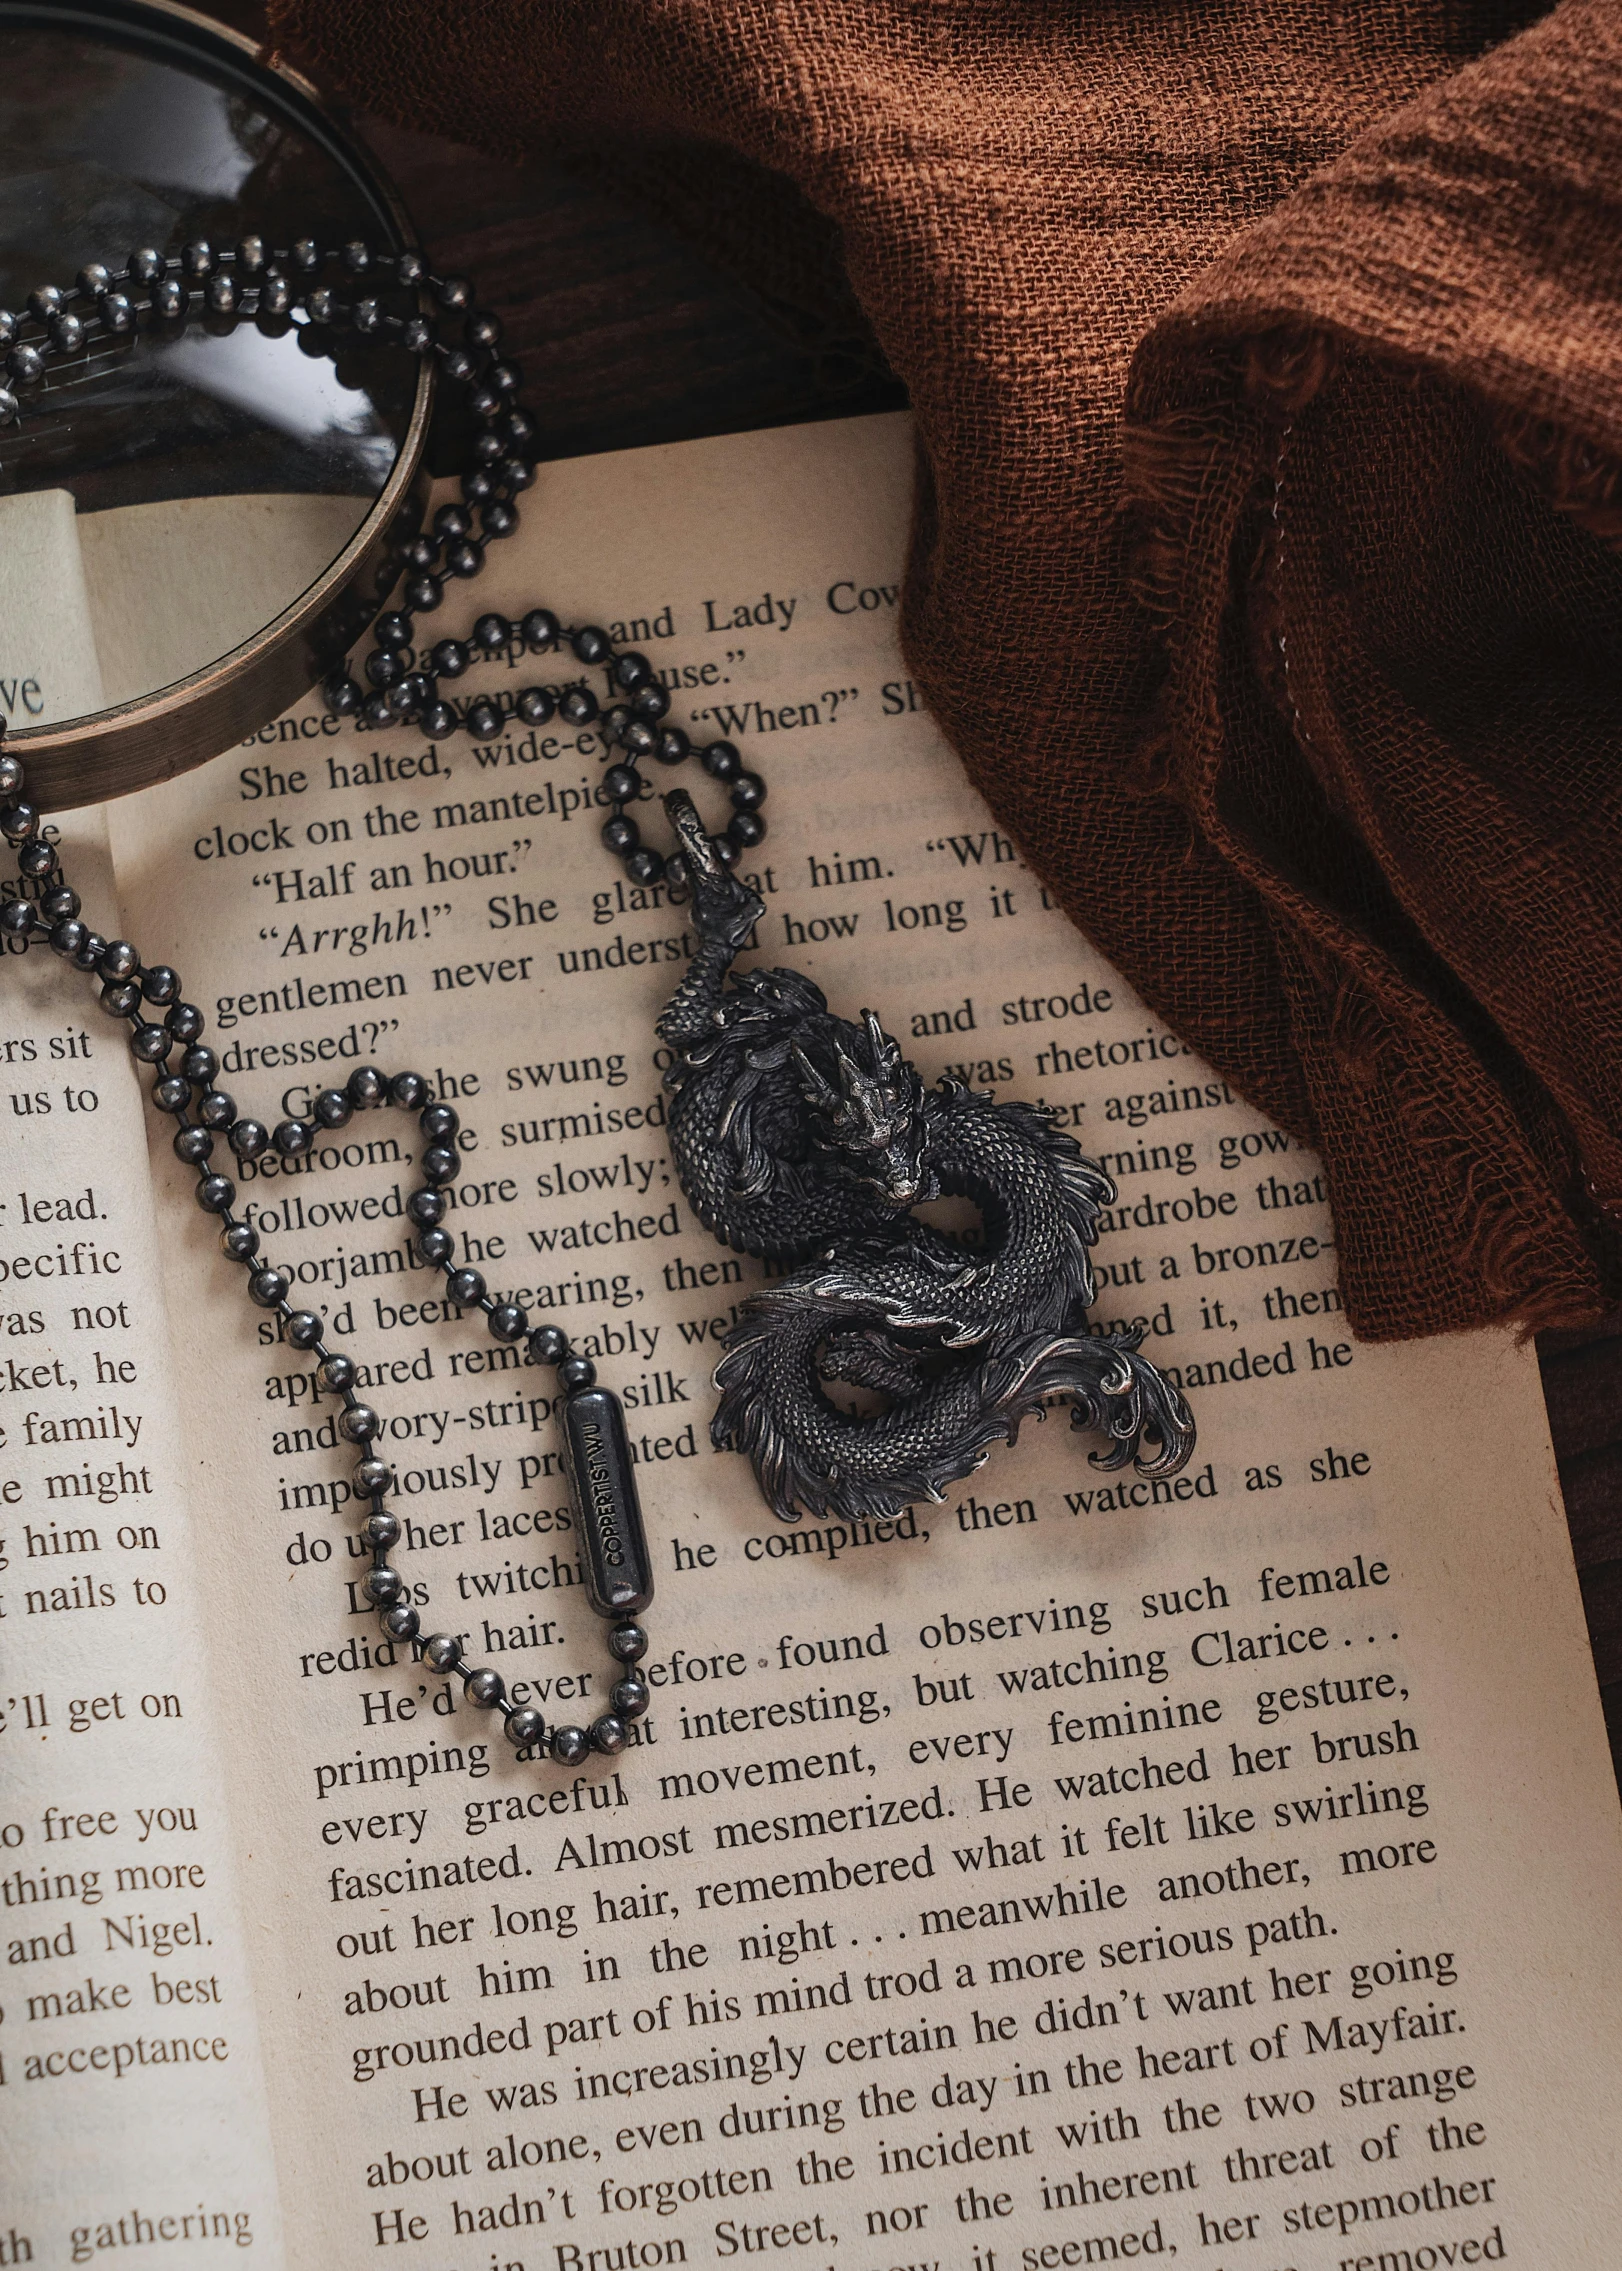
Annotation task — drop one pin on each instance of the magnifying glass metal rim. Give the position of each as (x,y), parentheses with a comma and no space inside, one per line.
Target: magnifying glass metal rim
(156,736)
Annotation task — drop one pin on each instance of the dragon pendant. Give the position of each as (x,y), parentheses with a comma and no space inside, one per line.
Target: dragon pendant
(807,1141)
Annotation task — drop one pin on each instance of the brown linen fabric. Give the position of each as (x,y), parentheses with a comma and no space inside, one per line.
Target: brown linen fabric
(1318,741)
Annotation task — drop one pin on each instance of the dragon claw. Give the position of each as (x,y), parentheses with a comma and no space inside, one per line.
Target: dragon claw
(723,908)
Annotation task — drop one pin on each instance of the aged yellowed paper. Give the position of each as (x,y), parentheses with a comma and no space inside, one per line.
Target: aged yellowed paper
(1073,1871)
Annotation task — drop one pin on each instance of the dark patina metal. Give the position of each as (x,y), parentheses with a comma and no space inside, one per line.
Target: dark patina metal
(619,1578)
(807,1140)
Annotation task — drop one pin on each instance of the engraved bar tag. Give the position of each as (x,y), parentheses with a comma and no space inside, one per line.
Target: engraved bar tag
(619,1580)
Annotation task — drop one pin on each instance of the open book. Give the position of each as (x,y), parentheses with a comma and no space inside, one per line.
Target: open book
(1079,1870)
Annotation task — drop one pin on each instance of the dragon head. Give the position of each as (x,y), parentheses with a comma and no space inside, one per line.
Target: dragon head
(868,1110)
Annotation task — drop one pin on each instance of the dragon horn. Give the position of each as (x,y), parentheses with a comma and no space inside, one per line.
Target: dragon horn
(818,1088)
(851,1076)
(885,1052)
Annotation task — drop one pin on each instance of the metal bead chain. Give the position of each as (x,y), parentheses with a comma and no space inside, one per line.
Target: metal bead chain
(253,281)
(250,281)
(635,727)
(47,909)
(273,287)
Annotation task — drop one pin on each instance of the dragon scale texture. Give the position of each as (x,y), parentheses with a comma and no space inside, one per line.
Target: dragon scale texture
(807,1140)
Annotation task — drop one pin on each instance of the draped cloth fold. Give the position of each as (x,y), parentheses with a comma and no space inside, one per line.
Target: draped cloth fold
(1266,363)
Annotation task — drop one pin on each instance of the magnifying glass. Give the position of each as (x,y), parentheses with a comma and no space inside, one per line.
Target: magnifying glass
(197,521)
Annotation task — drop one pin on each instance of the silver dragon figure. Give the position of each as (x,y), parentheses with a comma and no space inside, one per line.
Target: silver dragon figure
(807,1140)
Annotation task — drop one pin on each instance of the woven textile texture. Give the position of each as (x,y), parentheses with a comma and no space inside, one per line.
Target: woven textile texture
(1267,369)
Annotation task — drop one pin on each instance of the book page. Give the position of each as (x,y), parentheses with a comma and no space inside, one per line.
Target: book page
(132,2100)
(174,586)
(102,608)
(50,670)
(1077,1870)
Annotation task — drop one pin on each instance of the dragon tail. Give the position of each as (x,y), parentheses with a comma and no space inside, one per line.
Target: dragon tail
(811,1456)
(1112,1389)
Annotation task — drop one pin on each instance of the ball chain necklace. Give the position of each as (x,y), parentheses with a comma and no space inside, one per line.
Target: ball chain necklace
(797,1136)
